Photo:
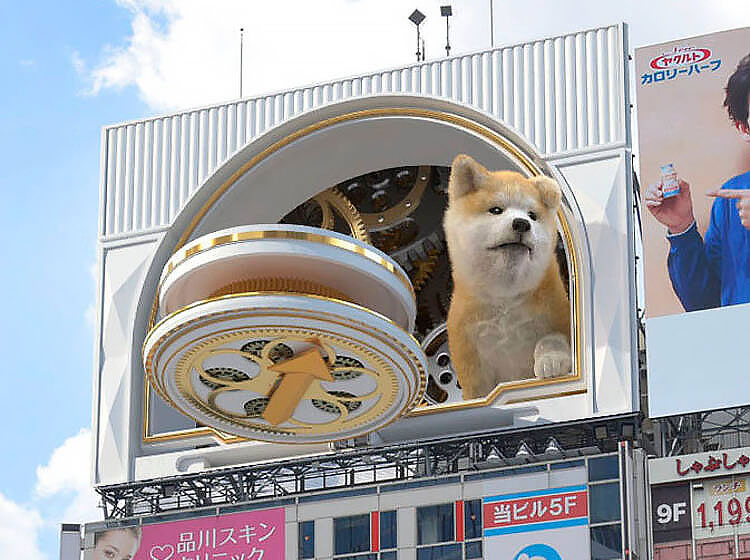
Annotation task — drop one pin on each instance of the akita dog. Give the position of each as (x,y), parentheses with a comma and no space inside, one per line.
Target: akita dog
(509,317)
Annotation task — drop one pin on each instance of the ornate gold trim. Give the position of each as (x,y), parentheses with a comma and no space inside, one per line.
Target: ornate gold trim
(505,145)
(383,396)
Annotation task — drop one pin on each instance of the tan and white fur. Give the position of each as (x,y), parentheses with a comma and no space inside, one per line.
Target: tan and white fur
(509,317)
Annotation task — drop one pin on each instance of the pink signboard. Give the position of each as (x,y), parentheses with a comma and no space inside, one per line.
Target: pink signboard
(253,535)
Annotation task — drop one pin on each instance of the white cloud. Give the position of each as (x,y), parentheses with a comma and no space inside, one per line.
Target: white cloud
(67,475)
(26,62)
(185,53)
(63,493)
(19,530)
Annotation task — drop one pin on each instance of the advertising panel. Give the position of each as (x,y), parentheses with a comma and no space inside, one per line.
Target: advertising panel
(700,506)
(694,154)
(549,524)
(241,536)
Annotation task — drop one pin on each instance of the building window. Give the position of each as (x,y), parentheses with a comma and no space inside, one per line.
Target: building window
(435,525)
(606,542)
(351,534)
(442,552)
(473,519)
(604,502)
(306,548)
(474,549)
(604,468)
(388,534)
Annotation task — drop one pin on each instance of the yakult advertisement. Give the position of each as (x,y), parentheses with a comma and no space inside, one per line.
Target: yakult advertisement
(694,153)
(550,524)
(251,535)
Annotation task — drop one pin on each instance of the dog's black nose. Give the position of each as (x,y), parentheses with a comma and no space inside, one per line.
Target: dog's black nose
(521,226)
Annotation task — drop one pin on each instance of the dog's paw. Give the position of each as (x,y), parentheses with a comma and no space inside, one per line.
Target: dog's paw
(552,356)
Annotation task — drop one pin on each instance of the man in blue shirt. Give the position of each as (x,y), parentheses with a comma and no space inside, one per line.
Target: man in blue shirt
(714,271)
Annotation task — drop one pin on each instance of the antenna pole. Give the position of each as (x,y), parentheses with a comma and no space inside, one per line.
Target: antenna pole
(419,54)
(242,33)
(492,27)
(447,38)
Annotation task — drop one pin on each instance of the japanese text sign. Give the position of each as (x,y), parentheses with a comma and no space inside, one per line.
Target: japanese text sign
(536,510)
(700,465)
(254,535)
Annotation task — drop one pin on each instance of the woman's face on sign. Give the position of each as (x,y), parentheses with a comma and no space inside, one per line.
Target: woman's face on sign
(117,544)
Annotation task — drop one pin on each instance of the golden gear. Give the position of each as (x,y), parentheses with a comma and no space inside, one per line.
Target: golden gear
(433,300)
(321,211)
(407,205)
(294,285)
(423,269)
(332,200)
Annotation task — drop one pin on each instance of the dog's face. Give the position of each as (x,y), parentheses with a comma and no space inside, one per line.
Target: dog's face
(501,227)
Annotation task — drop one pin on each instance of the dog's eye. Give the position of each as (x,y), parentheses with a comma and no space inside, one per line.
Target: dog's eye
(496,210)
(532,215)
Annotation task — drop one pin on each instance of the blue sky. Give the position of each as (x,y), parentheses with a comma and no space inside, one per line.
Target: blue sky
(49,179)
(49,156)
(70,68)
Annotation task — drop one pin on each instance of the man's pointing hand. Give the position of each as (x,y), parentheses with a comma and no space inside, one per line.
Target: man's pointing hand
(742,196)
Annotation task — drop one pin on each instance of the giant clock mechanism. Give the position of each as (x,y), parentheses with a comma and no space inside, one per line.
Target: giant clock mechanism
(327,325)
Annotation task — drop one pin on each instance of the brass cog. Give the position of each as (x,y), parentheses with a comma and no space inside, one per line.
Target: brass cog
(393,215)
(332,199)
(330,204)
(294,285)
(423,269)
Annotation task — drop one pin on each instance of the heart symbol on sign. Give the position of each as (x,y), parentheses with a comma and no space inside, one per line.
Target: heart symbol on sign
(164,552)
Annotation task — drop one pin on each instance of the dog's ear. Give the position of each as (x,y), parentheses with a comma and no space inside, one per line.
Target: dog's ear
(466,176)
(549,191)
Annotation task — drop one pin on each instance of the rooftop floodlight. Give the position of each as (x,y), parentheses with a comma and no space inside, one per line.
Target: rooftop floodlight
(417,18)
(524,451)
(553,447)
(494,457)
(447,12)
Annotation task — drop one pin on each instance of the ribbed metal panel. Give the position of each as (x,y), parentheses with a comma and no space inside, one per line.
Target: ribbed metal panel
(563,94)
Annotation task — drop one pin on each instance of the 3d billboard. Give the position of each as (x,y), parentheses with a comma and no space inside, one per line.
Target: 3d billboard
(694,160)
(318,281)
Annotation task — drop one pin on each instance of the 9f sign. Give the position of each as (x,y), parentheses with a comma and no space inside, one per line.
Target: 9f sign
(670,513)
(671,519)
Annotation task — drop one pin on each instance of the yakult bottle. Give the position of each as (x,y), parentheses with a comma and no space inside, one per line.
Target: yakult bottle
(670,186)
